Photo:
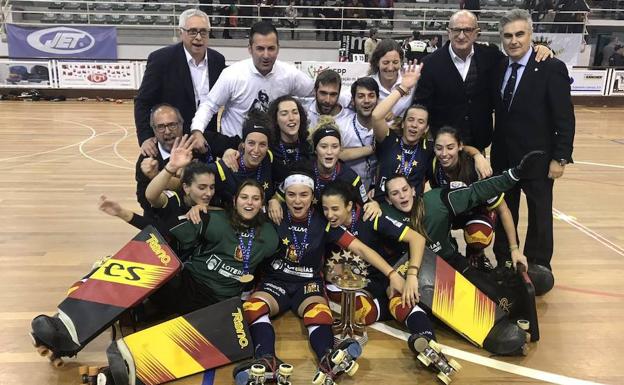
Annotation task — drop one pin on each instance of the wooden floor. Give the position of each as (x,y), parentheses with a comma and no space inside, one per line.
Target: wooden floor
(56,160)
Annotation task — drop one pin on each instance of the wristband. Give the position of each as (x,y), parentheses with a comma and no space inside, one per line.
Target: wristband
(513,247)
(414,267)
(401,90)
(169,171)
(390,273)
(414,274)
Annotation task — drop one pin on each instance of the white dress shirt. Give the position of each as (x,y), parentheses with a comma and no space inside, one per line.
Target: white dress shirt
(241,87)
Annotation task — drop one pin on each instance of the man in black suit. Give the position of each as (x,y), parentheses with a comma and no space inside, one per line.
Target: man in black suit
(534,111)
(180,75)
(456,82)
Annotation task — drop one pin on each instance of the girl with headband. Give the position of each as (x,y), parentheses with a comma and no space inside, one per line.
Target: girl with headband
(293,281)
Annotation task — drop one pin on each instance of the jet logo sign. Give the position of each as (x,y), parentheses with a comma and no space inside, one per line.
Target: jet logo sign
(61,40)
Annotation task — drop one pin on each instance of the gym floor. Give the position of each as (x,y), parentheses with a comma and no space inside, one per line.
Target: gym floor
(58,158)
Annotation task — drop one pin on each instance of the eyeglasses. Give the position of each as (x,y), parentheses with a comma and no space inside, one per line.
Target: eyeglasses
(466,31)
(194,32)
(167,126)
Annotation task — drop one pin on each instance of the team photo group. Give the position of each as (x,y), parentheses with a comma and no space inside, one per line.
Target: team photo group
(265,191)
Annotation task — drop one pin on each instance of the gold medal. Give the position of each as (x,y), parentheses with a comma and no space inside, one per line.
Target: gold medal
(246,278)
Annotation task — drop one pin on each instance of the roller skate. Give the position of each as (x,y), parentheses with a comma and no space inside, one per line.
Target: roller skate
(266,369)
(52,339)
(429,352)
(337,361)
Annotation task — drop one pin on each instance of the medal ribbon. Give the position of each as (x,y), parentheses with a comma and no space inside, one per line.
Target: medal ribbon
(299,247)
(246,250)
(317,179)
(406,168)
(241,165)
(283,150)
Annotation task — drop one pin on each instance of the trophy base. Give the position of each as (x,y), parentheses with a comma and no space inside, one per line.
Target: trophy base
(362,339)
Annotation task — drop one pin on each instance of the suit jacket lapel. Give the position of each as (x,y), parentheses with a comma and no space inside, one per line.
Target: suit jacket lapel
(184,74)
(212,70)
(499,83)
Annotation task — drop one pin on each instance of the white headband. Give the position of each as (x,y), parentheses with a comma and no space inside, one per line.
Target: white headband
(298,179)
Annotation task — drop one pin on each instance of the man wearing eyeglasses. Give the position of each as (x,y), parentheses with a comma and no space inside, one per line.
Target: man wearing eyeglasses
(181,75)
(166,124)
(456,80)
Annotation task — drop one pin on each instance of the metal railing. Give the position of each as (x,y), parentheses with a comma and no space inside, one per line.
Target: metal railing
(397,21)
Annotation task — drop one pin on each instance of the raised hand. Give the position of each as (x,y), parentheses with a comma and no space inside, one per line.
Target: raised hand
(410,75)
(181,153)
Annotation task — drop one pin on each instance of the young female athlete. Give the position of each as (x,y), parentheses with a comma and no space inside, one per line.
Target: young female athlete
(328,167)
(226,249)
(293,281)
(255,161)
(452,164)
(289,143)
(411,152)
(197,189)
(390,238)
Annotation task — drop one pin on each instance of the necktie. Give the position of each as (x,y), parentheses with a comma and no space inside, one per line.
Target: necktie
(509,87)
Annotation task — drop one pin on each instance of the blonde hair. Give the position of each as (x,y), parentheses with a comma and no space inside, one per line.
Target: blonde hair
(324,121)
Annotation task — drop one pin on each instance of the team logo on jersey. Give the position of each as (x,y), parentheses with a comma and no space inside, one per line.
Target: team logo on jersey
(291,253)
(238,254)
(277,264)
(311,287)
(213,262)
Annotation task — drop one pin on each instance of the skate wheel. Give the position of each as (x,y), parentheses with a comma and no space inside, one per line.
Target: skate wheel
(285,369)
(43,351)
(435,346)
(444,378)
(57,362)
(523,324)
(319,378)
(455,365)
(257,370)
(352,368)
(420,344)
(338,356)
(424,359)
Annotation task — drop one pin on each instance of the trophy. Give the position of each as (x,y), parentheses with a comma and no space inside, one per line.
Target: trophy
(347,272)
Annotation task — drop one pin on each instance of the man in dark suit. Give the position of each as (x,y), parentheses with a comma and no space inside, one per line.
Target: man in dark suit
(180,75)
(456,82)
(534,111)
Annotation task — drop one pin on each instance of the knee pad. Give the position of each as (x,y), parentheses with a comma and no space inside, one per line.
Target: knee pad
(366,311)
(253,309)
(317,314)
(479,232)
(398,311)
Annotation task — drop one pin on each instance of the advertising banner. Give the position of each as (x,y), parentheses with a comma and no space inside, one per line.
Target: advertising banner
(25,74)
(121,75)
(77,42)
(588,82)
(616,88)
(348,71)
(566,46)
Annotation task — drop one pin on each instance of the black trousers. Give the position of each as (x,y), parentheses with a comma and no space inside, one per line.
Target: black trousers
(538,245)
